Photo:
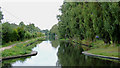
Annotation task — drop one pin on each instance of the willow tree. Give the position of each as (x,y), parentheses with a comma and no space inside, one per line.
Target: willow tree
(85,20)
(112,21)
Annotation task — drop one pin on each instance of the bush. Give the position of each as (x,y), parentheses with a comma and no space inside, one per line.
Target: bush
(28,35)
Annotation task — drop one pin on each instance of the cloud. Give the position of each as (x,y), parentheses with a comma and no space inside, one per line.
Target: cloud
(31,1)
(42,14)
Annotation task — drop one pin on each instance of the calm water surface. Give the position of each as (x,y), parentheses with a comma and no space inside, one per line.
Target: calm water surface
(47,56)
(58,53)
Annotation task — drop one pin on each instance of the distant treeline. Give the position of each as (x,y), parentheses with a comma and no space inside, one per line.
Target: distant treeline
(86,20)
(54,33)
(13,32)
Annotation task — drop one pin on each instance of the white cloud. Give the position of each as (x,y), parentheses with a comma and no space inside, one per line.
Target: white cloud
(42,14)
(30,0)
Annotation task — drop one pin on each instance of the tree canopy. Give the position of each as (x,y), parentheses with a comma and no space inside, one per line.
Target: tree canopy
(1,15)
(13,32)
(54,32)
(85,20)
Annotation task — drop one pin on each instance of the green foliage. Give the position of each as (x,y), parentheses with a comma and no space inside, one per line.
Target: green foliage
(21,49)
(86,20)
(6,32)
(109,51)
(1,15)
(46,32)
(28,35)
(21,24)
(15,35)
(13,32)
(21,33)
(31,28)
(54,33)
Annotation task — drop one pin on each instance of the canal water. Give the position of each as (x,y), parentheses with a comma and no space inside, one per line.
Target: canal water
(58,53)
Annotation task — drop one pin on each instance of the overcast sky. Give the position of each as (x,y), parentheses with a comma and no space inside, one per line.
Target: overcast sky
(40,12)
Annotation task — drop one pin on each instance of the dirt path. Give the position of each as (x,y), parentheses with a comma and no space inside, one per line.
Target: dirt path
(8,47)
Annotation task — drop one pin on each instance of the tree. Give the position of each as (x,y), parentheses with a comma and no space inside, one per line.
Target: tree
(21,33)
(21,24)
(28,35)
(85,20)
(1,15)
(54,33)
(6,32)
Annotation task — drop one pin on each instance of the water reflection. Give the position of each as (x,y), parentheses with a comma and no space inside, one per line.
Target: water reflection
(55,43)
(70,55)
(58,53)
(47,56)
(8,63)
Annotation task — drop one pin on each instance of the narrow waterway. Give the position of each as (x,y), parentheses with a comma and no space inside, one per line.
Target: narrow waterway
(58,53)
(47,56)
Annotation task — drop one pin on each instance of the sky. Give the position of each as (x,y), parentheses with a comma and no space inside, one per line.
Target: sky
(40,12)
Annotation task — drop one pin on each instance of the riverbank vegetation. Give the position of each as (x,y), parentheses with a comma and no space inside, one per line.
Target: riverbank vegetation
(18,36)
(84,20)
(92,23)
(54,33)
(71,53)
(1,17)
(22,48)
(109,51)
(15,42)
(13,32)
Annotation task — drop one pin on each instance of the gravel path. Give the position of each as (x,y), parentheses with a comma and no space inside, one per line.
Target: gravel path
(8,47)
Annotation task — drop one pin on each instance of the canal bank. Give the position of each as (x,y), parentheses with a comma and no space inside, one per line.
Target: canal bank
(33,53)
(63,54)
(99,49)
(100,56)
(46,56)
(21,49)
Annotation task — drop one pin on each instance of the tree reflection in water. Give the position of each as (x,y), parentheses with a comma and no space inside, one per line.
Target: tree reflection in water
(71,55)
(8,63)
(68,55)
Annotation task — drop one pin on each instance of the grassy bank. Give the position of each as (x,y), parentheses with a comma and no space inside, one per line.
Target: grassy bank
(99,48)
(16,42)
(107,51)
(21,49)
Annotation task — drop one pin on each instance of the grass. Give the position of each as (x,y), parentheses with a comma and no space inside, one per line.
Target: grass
(86,42)
(21,49)
(85,48)
(99,48)
(15,42)
(10,43)
(63,39)
(109,51)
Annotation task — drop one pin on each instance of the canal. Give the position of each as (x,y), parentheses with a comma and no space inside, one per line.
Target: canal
(58,53)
